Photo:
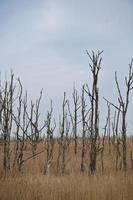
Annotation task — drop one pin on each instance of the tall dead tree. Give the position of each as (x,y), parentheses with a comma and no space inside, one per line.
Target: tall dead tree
(95,67)
(109,128)
(35,132)
(107,125)
(22,137)
(18,122)
(118,140)
(74,117)
(34,122)
(1,109)
(64,140)
(124,108)
(50,141)
(85,128)
(22,125)
(6,119)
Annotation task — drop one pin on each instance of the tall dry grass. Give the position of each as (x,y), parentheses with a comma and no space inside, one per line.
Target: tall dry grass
(33,185)
(38,187)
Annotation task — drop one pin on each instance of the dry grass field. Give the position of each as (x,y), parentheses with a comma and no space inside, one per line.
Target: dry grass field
(70,187)
(32,184)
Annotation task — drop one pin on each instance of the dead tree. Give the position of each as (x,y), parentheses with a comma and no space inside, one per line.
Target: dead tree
(1,109)
(95,67)
(113,126)
(85,128)
(18,121)
(123,108)
(74,118)
(50,141)
(107,125)
(22,126)
(64,140)
(34,136)
(6,119)
(109,128)
(35,124)
(22,137)
(118,163)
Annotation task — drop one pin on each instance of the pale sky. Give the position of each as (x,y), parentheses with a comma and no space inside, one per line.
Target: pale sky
(44,42)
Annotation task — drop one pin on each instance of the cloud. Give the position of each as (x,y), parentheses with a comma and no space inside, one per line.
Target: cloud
(51,17)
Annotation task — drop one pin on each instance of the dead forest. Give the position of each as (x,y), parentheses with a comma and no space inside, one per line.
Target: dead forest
(74,144)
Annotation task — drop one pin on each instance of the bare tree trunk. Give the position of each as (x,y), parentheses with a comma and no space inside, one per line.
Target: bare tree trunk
(49,142)
(94,99)
(124,107)
(107,124)
(85,128)
(74,118)
(64,140)
(82,167)
(6,121)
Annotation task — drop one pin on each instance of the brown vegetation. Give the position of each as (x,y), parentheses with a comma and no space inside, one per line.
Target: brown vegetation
(32,184)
